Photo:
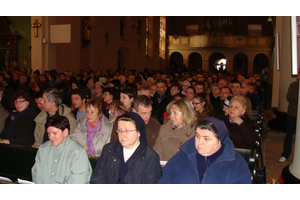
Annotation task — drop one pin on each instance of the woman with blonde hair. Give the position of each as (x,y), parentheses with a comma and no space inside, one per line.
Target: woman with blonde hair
(179,127)
(241,127)
(116,108)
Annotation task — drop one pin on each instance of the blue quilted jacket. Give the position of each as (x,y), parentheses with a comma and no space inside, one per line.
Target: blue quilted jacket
(229,168)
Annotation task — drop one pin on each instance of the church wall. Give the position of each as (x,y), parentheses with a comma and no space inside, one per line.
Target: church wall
(102,52)
(22,25)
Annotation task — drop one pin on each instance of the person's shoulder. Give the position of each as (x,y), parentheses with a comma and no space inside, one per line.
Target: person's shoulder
(106,121)
(152,152)
(40,117)
(72,145)
(45,145)
(154,122)
(66,111)
(81,121)
(32,112)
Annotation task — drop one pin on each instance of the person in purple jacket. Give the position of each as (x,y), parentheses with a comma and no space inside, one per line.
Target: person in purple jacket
(207,158)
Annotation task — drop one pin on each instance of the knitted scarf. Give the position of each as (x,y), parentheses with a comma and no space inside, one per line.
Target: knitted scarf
(91,132)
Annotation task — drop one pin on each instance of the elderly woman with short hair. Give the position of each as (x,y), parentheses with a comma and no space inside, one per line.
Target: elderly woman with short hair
(94,130)
(19,126)
(178,128)
(241,127)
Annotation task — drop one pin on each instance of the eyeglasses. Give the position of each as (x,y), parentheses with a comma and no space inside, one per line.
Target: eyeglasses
(195,103)
(126,131)
(20,101)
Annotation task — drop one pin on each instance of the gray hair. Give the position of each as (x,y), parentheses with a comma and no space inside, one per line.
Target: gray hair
(54,95)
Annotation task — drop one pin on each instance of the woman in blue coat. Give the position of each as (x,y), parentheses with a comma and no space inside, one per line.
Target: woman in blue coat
(130,159)
(209,158)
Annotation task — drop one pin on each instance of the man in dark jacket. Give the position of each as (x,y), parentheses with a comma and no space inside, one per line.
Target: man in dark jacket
(160,100)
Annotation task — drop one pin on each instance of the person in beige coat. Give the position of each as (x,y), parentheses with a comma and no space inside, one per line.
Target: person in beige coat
(179,127)
(51,105)
(94,130)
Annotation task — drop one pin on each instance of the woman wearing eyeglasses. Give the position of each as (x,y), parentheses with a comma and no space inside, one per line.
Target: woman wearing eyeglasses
(202,106)
(128,160)
(94,130)
(19,125)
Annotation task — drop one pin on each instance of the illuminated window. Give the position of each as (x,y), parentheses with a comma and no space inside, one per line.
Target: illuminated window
(220,64)
(162,37)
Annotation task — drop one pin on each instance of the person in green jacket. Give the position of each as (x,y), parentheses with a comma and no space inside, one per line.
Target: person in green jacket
(61,160)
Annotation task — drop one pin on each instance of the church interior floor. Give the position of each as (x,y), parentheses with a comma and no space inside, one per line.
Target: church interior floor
(272,146)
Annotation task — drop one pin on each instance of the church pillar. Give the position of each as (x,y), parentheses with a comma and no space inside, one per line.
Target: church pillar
(43,53)
(291,173)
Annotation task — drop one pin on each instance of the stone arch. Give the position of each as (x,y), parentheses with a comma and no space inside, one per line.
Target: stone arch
(240,63)
(176,61)
(260,61)
(195,62)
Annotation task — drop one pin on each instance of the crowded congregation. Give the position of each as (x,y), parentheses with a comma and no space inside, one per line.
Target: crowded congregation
(148,100)
(121,117)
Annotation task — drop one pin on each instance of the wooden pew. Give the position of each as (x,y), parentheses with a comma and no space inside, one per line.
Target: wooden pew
(255,162)
(17,161)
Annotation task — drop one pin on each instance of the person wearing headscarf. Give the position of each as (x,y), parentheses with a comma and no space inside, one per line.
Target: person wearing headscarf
(128,160)
(207,158)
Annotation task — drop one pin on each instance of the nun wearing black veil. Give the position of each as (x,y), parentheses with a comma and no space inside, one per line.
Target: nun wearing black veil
(129,160)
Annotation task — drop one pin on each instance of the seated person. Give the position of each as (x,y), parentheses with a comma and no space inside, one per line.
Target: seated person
(225,104)
(94,130)
(51,104)
(241,127)
(129,159)
(202,106)
(61,160)
(179,127)
(208,158)
(19,126)
(142,105)
(126,97)
(79,97)
(116,108)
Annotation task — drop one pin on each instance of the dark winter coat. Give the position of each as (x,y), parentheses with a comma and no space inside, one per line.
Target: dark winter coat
(19,130)
(143,165)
